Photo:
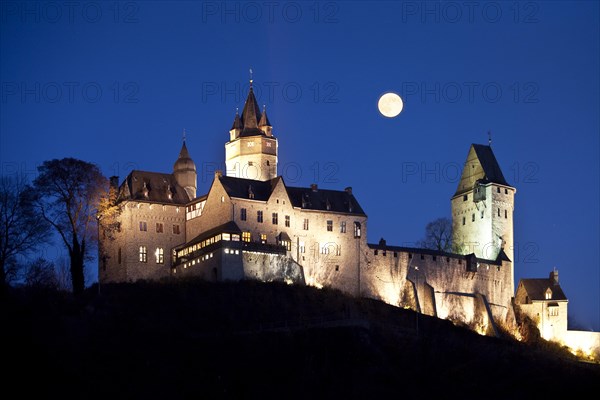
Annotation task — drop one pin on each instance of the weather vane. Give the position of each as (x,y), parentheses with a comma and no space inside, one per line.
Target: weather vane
(250,76)
(489,138)
(184,135)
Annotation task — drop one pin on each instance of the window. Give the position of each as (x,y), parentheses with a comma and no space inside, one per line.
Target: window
(143,226)
(434,258)
(465,197)
(243,214)
(268,163)
(473,217)
(250,163)
(302,247)
(143,254)
(357,229)
(337,267)
(325,249)
(338,250)
(259,216)
(160,255)
(246,236)
(287,244)
(553,311)
(422,256)
(395,254)
(343,227)
(275,219)
(548,294)
(505,213)
(119,255)
(481,213)
(498,189)
(287,221)
(159,227)
(505,191)
(464,220)
(305,226)
(176,230)
(329,226)
(263,238)
(409,256)
(498,211)
(375,252)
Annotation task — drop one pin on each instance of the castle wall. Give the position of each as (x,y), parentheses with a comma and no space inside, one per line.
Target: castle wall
(454,288)
(271,267)
(585,341)
(253,157)
(122,251)
(217,210)
(552,327)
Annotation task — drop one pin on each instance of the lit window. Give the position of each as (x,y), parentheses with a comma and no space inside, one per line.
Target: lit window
(338,250)
(226,251)
(246,236)
(226,236)
(343,227)
(263,238)
(243,214)
(259,216)
(357,229)
(275,219)
(160,255)
(305,226)
(143,226)
(287,221)
(176,230)
(548,294)
(553,311)
(325,248)
(329,226)
(159,227)
(143,254)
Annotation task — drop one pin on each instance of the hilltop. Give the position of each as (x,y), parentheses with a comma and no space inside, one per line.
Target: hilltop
(196,339)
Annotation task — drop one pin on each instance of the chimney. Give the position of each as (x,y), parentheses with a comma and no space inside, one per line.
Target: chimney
(554,277)
(348,190)
(114,182)
(314,187)
(382,242)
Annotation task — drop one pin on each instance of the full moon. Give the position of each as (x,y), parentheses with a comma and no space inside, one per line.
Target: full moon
(390,105)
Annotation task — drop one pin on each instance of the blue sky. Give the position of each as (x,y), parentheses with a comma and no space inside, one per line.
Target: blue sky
(117,84)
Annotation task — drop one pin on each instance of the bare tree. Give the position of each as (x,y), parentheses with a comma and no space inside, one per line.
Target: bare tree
(41,273)
(69,193)
(438,235)
(22,230)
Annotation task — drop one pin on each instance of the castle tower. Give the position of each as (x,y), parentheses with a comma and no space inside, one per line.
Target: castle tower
(251,152)
(184,171)
(482,207)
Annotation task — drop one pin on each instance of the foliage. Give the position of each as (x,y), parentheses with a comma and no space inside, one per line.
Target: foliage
(69,192)
(22,230)
(438,235)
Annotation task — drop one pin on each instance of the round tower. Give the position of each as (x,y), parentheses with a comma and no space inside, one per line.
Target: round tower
(184,171)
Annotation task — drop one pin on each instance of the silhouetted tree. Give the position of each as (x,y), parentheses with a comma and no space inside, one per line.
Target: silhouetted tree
(438,235)
(69,193)
(22,230)
(41,273)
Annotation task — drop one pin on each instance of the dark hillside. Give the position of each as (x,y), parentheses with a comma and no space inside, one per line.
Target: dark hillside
(191,339)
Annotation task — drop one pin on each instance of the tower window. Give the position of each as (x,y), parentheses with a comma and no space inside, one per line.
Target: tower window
(343,227)
(473,217)
(357,229)
(287,221)
(160,255)
(505,191)
(159,227)
(464,220)
(143,226)
(143,254)
(305,225)
(465,197)
(505,213)
(498,189)
(338,250)
(243,214)
(275,219)
(176,230)
(481,213)
(268,163)
(498,211)
(329,226)
(259,216)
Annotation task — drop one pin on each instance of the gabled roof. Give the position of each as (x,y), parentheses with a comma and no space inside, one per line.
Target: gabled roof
(536,289)
(241,188)
(324,200)
(152,187)
(305,198)
(481,165)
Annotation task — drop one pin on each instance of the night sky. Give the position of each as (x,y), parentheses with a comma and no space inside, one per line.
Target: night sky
(116,84)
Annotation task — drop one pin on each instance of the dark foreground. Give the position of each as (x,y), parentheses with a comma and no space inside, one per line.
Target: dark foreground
(251,340)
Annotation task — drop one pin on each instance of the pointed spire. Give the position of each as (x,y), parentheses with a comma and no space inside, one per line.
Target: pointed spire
(184,151)
(251,115)
(264,120)
(237,122)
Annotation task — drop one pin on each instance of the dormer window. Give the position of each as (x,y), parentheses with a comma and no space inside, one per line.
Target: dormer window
(548,294)
(250,192)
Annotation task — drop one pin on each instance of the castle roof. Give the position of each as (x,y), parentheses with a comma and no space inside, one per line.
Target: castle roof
(417,250)
(481,166)
(264,120)
(305,198)
(184,161)
(251,116)
(153,187)
(228,227)
(536,289)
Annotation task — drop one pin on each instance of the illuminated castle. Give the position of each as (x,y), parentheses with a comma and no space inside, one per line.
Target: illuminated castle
(251,225)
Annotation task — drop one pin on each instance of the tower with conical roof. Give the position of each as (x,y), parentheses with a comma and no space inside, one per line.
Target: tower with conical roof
(482,207)
(184,171)
(251,152)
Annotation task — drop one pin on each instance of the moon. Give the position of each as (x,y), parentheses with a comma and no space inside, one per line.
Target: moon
(390,105)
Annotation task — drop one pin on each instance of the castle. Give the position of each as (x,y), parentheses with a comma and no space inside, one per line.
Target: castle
(251,225)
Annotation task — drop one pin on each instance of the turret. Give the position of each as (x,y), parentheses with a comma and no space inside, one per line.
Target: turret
(184,171)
